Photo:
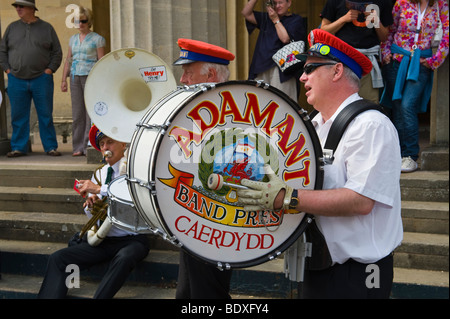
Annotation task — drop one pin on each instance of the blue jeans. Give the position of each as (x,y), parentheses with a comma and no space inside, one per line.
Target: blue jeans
(20,93)
(404,111)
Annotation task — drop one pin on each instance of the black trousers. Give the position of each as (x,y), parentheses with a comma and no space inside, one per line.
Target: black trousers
(351,280)
(198,280)
(123,253)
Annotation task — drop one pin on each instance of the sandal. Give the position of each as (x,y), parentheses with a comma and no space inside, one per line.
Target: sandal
(78,154)
(15,154)
(54,153)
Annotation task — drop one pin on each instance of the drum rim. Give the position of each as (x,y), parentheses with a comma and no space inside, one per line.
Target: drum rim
(196,90)
(114,197)
(274,253)
(317,186)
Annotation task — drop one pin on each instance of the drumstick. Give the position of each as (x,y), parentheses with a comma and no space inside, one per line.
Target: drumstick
(216,182)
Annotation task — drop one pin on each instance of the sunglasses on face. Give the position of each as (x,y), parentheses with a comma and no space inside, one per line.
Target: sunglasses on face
(311,67)
(84,21)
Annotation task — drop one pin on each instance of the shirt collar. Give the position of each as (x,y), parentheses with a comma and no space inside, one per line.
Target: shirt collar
(317,121)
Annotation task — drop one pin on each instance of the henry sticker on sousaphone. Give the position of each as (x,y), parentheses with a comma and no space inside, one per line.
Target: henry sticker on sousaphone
(193,149)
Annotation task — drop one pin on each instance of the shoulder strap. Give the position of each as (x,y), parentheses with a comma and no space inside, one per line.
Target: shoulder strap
(341,123)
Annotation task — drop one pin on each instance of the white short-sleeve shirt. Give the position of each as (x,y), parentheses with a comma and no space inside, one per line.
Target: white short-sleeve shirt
(114,231)
(367,161)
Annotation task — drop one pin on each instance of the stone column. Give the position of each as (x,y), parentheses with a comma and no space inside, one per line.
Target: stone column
(156,25)
(436,158)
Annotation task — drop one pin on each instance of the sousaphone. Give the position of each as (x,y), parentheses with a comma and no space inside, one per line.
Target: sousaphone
(120,89)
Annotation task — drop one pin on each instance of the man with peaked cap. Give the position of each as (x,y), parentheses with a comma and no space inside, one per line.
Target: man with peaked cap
(359,209)
(202,63)
(122,249)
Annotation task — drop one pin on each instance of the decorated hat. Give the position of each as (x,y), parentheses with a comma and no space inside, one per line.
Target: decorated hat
(325,45)
(198,51)
(25,3)
(95,135)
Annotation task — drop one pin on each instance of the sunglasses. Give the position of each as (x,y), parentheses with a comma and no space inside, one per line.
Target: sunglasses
(84,21)
(311,67)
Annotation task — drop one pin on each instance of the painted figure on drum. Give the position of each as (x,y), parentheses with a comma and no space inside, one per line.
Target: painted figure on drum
(240,160)
(124,249)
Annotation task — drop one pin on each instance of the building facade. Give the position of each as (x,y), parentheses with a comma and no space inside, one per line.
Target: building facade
(155,25)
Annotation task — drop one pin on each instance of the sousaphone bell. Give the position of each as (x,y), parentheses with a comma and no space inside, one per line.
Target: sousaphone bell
(120,89)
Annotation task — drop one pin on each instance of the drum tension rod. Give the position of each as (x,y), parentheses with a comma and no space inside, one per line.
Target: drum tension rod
(151,186)
(162,128)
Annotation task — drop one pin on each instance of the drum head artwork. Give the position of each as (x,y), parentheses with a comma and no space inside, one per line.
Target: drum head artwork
(231,130)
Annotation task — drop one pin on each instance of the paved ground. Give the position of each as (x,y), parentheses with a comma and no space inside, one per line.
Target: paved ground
(38,156)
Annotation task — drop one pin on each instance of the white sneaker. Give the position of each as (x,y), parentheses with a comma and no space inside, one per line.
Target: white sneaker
(409,165)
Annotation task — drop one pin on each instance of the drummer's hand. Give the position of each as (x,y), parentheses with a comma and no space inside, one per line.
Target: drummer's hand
(261,196)
(90,201)
(88,187)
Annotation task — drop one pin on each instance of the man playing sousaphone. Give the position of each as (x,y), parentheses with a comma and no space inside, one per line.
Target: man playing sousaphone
(121,248)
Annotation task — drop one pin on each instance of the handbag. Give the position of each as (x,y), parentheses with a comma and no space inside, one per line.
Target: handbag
(285,58)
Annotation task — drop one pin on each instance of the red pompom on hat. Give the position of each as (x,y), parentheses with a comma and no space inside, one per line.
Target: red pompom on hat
(95,135)
(198,51)
(325,45)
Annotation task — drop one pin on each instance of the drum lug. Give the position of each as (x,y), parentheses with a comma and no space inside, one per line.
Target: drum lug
(151,186)
(221,267)
(304,114)
(275,256)
(261,83)
(328,157)
(173,240)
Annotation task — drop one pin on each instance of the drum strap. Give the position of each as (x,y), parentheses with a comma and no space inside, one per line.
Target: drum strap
(320,257)
(342,121)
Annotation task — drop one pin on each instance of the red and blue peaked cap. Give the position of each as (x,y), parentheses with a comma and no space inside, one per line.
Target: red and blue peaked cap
(325,45)
(198,51)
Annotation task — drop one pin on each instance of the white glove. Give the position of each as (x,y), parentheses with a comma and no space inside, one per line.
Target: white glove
(261,196)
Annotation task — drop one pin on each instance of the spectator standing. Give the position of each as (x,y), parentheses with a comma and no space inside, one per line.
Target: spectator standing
(349,21)
(409,65)
(85,49)
(278,26)
(30,53)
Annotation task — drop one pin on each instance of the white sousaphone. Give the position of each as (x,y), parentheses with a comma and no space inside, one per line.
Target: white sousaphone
(120,89)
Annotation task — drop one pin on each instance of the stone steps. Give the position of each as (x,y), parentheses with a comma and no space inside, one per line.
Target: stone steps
(159,269)
(425,217)
(24,263)
(418,250)
(47,213)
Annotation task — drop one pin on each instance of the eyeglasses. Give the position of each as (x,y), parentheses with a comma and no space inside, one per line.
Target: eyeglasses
(84,21)
(311,67)
(19,6)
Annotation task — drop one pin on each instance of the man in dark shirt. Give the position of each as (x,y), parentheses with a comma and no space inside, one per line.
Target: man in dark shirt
(363,24)
(30,53)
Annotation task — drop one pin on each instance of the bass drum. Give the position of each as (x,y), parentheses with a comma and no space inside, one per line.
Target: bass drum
(230,129)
